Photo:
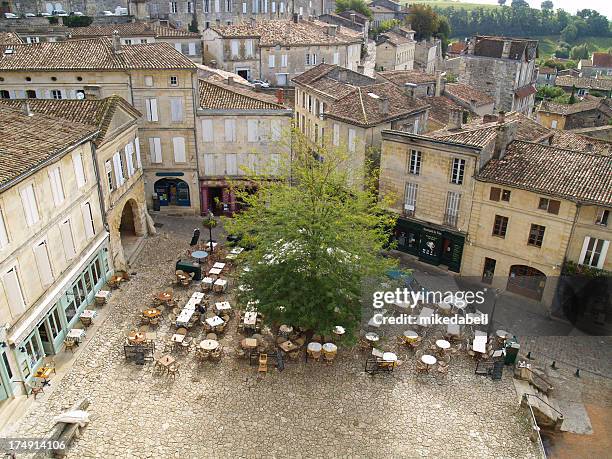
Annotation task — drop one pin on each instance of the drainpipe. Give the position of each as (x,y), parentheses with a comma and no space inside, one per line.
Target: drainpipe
(196,104)
(94,153)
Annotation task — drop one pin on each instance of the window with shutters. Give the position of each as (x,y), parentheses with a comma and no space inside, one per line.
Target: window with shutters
(235,45)
(276,130)
(494,194)
(151,107)
(118,166)
(138,159)
(173,7)
(505,195)
(594,252)
(336,58)
(207,6)
(308,59)
(352,140)
(191,49)
(13,290)
(155,150)
(4,239)
(190,7)
(414,164)
(209,164)
(410,198)
(500,225)
(129,159)
(79,171)
(231,165)
(602,216)
(273,7)
(88,220)
(549,205)
(179,149)
(451,216)
(336,135)
(57,188)
(31,94)
(28,200)
(248,47)
(176,109)
(108,169)
(283,60)
(271,61)
(252,134)
(43,264)
(228,6)
(244,8)
(281,7)
(457,171)
(229,127)
(536,235)
(252,164)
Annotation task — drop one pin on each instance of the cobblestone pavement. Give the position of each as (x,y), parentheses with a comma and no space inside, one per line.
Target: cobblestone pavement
(309,410)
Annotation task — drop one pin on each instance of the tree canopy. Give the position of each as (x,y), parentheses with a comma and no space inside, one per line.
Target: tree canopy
(316,241)
(427,23)
(356,5)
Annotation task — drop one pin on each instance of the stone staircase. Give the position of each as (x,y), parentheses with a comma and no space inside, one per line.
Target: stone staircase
(545,409)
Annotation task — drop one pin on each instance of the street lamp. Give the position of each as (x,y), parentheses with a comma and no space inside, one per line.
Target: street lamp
(211,223)
(490,327)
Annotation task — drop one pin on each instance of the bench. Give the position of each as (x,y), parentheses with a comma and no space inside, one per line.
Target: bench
(63,433)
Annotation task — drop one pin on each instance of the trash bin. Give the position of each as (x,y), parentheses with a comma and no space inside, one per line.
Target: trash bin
(156,205)
(512,350)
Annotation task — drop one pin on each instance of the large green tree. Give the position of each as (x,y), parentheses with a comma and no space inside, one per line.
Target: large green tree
(356,5)
(316,241)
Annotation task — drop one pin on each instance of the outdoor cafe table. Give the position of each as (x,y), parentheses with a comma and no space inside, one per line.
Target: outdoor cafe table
(44,373)
(480,344)
(389,357)
(338,330)
(178,338)
(77,334)
(411,335)
(214,272)
(164,296)
(428,359)
(166,360)
(199,254)
(442,344)
(223,306)
(136,337)
(250,318)
(219,265)
(220,285)
(330,347)
(502,334)
(151,313)
(314,347)
(102,296)
(208,281)
(372,337)
(288,346)
(88,314)
(184,317)
(214,321)
(249,343)
(209,344)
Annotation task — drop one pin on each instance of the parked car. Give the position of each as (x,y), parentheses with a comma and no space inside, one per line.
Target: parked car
(29,15)
(120,11)
(44,15)
(76,13)
(59,13)
(263,84)
(107,13)
(10,16)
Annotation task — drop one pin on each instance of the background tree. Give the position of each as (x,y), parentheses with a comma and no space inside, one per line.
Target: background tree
(193,27)
(570,33)
(424,21)
(519,4)
(501,2)
(580,52)
(547,5)
(357,5)
(316,242)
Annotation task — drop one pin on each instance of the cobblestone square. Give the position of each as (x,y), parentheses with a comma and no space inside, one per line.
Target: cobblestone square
(309,410)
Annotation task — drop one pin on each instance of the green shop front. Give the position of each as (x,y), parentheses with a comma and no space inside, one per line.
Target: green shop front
(43,330)
(433,244)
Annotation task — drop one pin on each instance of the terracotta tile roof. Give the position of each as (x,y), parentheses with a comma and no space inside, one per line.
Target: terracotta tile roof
(9,38)
(601,84)
(602,60)
(456,47)
(28,141)
(577,142)
(525,91)
(585,63)
(401,77)
(571,175)
(92,54)
(217,95)
(393,38)
(493,47)
(467,94)
(92,112)
(547,71)
(325,79)
(591,103)
(289,33)
(131,29)
(439,108)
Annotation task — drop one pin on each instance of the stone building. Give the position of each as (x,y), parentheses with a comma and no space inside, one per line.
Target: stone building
(504,68)
(53,244)
(241,134)
(581,86)
(546,76)
(419,83)
(387,10)
(348,110)
(48,6)
(277,51)
(470,98)
(350,19)
(131,33)
(395,51)
(600,64)
(590,112)
(154,78)
(118,164)
(529,218)
(428,55)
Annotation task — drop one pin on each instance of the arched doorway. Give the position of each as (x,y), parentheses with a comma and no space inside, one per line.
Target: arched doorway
(172,192)
(131,230)
(526,281)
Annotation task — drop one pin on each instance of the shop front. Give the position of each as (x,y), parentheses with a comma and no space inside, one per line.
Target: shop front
(6,375)
(219,197)
(433,244)
(43,330)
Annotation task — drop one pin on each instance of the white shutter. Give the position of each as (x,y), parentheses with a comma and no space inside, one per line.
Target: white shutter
(282,7)
(271,61)
(602,255)
(207,130)
(176,108)
(88,220)
(43,264)
(274,7)
(56,185)
(234,45)
(336,139)
(244,8)
(68,239)
(3,233)
(179,149)
(252,163)
(155,150)
(178,47)
(192,49)
(138,160)
(336,58)
(118,171)
(28,200)
(14,294)
(283,60)
(585,245)
(231,166)
(252,130)
(351,140)
(77,161)
(209,165)
(129,159)
(230,130)
(151,105)
(217,6)
(276,128)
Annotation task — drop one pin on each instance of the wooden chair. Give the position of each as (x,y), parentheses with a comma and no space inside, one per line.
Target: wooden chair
(186,343)
(154,322)
(173,370)
(329,357)
(34,390)
(211,336)
(70,344)
(421,367)
(263,363)
(442,370)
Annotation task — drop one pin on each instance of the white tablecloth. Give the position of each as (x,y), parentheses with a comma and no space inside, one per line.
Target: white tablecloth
(184,317)
(214,321)
(223,306)
(250,318)
(219,265)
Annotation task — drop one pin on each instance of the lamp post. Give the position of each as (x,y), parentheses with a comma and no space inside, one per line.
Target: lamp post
(210,224)
(490,327)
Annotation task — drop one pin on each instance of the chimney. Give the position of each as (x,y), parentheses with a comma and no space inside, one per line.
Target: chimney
(409,89)
(353,18)
(361,69)
(230,80)
(331,30)
(117,47)
(501,118)
(383,105)
(295,18)
(280,96)
(25,107)
(506,49)
(471,46)
(588,147)
(489,118)
(455,117)
(505,135)
(438,90)
(343,75)
(92,92)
